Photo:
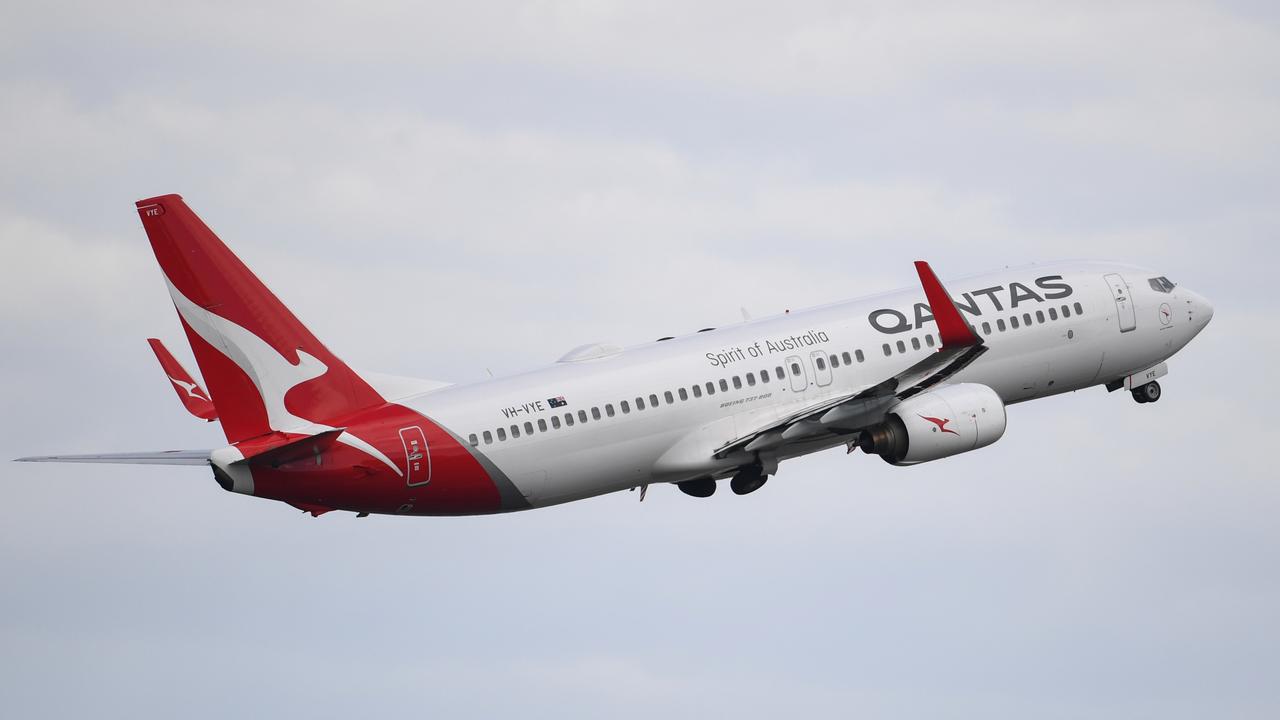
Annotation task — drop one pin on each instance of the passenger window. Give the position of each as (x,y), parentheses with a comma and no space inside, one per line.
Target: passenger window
(779,372)
(542,425)
(847,360)
(887,350)
(764,376)
(473,440)
(1053,313)
(902,347)
(653,400)
(737,383)
(835,361)
(502,434)
(608,409)
(1079,309)
(595,413)
(915,343)
(1000,324)
(711,388)
(582,416)
(568,419)
(528,428)
(1039,316)
(1066,311)
(724,385)
(859,355)
(1026,319)
(986,328)
(684,394)
(697,391)
(488,438)
(795,369)
(1013,322)
(751,379)
(515,431)
(639,403)
(555,422)
(820,363)
(667,396)
(626,407)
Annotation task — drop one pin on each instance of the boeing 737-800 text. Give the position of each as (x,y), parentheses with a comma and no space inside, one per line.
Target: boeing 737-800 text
(912,376)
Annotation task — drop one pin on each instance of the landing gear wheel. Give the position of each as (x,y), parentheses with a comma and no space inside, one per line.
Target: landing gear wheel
(1148,393)
(747,481)
(698,488)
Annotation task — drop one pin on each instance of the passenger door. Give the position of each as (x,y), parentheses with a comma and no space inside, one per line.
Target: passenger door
(1124,302)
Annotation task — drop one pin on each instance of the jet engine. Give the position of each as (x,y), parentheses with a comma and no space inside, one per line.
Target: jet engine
(940,423)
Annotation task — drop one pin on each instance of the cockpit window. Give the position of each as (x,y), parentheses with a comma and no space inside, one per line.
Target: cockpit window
(1161,284)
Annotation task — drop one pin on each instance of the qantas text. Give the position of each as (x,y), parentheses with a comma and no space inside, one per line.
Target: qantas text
(999,297)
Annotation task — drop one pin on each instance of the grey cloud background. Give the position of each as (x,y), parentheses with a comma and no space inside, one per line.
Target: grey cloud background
(441,190)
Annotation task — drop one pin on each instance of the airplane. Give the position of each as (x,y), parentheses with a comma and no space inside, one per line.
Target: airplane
(911,376)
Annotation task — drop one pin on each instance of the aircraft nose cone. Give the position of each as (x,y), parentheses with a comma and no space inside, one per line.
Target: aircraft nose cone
(1202,310)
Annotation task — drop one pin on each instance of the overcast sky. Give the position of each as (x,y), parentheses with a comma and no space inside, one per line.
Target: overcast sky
(441,190)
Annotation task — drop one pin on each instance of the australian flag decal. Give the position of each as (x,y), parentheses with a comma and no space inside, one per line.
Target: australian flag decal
(556,402)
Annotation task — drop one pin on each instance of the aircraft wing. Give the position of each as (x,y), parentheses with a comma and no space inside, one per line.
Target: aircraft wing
(853,411)
(163,457)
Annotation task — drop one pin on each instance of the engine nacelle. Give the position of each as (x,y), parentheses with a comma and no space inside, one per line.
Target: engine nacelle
(936,424)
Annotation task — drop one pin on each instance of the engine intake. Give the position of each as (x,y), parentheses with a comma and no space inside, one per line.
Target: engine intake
(936,424)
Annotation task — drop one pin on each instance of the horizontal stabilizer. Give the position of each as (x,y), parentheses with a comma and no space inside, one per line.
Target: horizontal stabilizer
(303,447)
(162,457)
(193,397)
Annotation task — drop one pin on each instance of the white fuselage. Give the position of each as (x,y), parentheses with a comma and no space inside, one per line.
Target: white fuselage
(1079,335)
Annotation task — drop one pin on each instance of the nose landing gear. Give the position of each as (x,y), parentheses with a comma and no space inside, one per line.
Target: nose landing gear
(1148,393)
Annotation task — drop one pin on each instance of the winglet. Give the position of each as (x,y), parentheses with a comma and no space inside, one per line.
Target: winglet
(952,328)
(193,397)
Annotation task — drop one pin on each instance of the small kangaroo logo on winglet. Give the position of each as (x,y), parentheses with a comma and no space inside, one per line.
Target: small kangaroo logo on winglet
(190,388)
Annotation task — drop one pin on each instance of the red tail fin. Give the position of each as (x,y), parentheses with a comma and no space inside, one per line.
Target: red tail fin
(265,371)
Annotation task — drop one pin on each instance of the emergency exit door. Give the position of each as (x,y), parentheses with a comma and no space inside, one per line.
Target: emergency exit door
(1124,302)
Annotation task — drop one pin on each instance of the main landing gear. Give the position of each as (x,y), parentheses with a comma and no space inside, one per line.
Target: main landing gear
(1148,393)
(703,488)
(748,480)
